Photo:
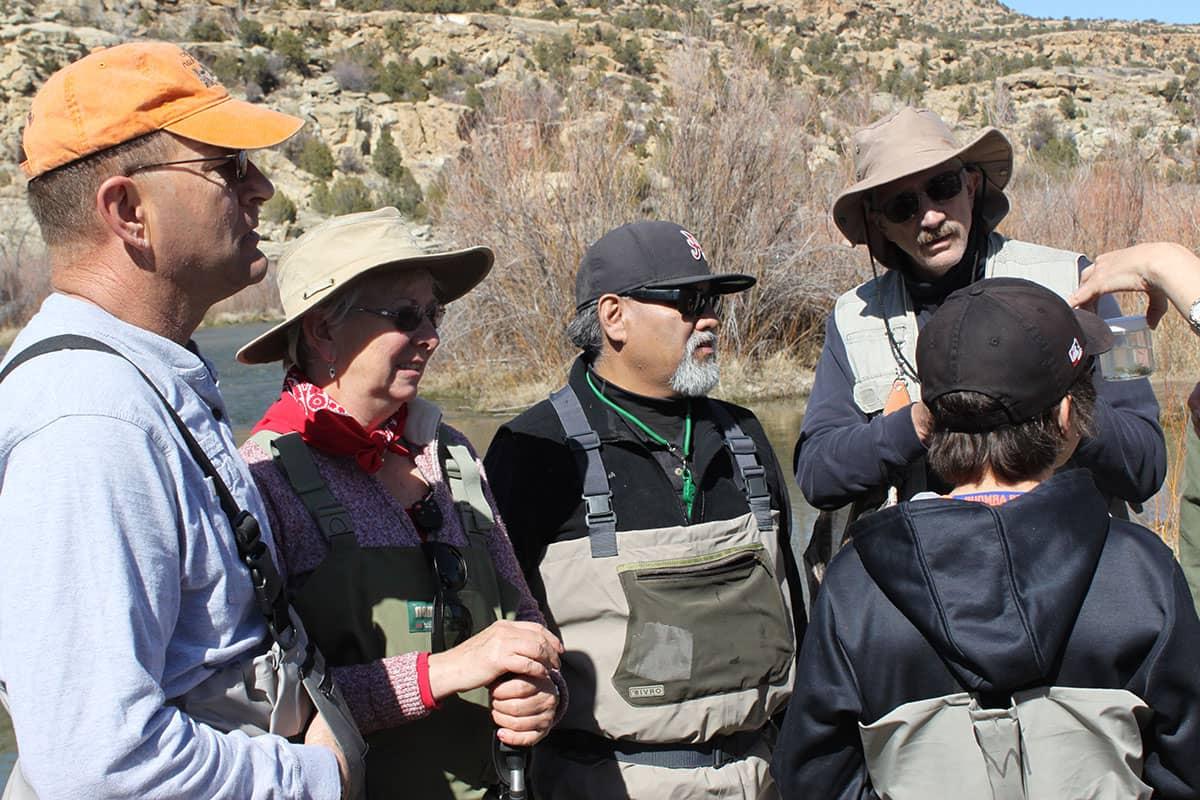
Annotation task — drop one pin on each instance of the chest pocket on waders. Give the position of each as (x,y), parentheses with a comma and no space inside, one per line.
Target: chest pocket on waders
(701,626)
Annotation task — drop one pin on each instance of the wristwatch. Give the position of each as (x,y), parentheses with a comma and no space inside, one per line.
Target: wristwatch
(1193,316)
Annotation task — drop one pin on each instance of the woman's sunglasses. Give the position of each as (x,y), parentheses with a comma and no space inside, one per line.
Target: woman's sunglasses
(690,302)
(409,314)
(944,186)
(449,613)
(240,161)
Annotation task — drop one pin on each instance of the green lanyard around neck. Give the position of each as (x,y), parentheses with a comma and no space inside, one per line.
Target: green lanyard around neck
(688,494)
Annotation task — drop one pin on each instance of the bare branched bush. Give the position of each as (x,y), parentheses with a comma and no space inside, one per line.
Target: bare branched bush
(546,175)
(24,274)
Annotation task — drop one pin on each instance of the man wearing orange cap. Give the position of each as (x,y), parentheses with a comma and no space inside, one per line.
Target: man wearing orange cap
(927,208)
(142,633)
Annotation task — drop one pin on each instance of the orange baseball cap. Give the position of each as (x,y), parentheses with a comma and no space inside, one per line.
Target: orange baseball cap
(120,93)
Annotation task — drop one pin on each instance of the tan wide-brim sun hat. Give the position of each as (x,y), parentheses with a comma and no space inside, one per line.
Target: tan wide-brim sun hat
(119,93)
(913,140)
(324,260)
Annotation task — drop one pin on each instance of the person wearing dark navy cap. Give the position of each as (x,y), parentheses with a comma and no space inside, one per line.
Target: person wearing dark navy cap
(653,524)
(1009,639)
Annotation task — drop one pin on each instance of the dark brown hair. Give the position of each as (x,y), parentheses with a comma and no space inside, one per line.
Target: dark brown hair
(1015,452)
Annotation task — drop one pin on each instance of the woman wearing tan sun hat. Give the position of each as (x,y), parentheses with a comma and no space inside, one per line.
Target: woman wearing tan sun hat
(394,554)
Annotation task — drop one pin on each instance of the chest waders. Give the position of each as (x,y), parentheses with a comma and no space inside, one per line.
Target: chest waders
(363,604)
(275,688)
(679,641)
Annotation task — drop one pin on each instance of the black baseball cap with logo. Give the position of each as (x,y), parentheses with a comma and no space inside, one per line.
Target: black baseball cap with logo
(1012,340)
(648,255)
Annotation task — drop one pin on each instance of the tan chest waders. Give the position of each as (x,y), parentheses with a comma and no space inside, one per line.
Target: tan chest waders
(276,688)
(363,604)
(679,642)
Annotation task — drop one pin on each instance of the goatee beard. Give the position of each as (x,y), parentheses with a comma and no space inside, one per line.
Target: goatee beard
(694,378)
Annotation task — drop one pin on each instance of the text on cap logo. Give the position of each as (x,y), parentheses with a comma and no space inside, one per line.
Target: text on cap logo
(697,250)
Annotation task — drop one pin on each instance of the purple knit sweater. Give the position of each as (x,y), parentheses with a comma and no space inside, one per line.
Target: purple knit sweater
(384,693)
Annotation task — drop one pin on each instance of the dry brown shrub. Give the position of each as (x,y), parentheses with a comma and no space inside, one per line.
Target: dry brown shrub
(546,175)
(24,274)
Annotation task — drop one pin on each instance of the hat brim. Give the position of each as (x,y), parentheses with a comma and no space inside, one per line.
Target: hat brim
(727,283)
(237,125)
(454,274)
(990,150)
(1099,336)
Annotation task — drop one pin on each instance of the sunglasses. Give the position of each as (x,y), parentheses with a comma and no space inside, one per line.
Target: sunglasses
(449,613)
(240,162)
(409,314)
(944,186)
(690,302)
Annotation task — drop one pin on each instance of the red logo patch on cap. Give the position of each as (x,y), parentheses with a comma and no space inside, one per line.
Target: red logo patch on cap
(697,250)
(1076,352)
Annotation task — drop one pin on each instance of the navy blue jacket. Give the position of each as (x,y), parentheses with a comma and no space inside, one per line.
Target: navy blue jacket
(940,596)
(842,454)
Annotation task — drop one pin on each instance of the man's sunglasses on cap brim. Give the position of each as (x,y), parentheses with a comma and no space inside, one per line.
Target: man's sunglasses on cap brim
(409,314)
(902,207)
(240,161)
(689,301)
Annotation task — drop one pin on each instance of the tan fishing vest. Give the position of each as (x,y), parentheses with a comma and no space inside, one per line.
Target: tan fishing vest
(672,635)
(860,313)
(1049,744)
(363,604)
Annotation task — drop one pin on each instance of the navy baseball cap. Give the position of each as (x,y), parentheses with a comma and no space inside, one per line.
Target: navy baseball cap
(644,255)
(1012,340)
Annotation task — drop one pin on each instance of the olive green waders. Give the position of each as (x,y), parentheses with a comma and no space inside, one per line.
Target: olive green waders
(364,604)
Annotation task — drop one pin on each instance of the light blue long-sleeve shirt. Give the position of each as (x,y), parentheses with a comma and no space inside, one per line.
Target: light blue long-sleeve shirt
(120,582)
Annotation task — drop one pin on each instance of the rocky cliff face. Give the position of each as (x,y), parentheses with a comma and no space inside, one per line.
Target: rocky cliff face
(391,88)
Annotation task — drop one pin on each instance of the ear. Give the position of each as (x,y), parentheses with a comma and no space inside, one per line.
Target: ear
(318,336)
(119,205)
(613,320)
(1066,416)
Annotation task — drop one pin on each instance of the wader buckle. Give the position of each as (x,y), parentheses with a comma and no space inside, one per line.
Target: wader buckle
(598,509)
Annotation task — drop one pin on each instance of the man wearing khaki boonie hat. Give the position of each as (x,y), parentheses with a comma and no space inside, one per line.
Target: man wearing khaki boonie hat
(136,655)
(926,208)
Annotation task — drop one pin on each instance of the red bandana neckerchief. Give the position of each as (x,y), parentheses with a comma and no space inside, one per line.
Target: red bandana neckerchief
(305,408)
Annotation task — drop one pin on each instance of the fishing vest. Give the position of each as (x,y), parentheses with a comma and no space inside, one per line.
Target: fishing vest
(679,641)
(860,314)
(364,604)
(1050,743)
(275,688)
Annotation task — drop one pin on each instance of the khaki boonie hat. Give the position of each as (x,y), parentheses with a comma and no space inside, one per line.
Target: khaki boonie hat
(316,266)
(120,93)
(913,140)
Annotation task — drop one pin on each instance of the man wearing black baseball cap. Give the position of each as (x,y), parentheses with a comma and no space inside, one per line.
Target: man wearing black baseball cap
(652,522)
(1010,639)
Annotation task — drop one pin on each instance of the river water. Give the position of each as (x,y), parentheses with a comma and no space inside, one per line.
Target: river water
(248,390)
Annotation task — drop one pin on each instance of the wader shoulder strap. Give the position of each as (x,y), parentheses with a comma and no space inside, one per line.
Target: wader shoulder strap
(597,494)
(268,587)
(752,477)
(295,461)
(466,486)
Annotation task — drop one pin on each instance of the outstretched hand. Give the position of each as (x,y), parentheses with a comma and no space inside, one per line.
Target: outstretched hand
(1163,271)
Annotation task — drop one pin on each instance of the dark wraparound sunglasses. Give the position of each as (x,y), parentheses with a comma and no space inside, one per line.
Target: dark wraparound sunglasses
(408,315)
(239,160)
(449,613)
(944,186)
(690,302)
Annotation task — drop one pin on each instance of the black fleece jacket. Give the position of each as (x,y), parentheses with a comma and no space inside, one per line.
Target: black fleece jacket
(940,596)
(537,482)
